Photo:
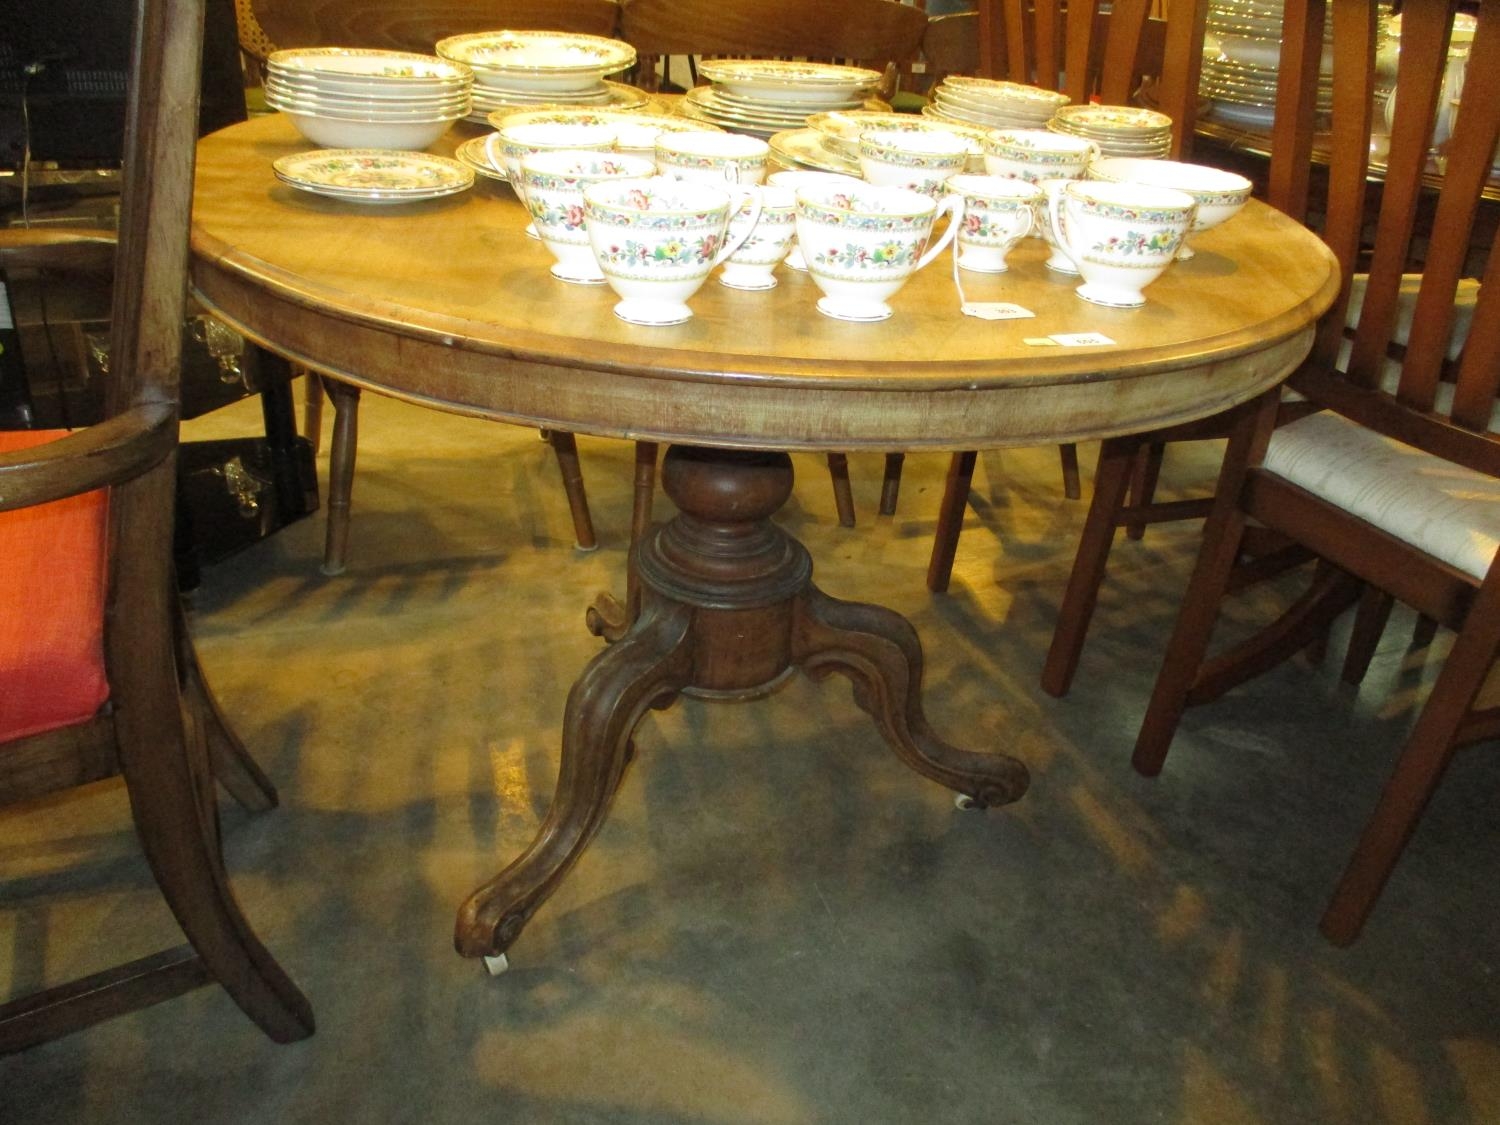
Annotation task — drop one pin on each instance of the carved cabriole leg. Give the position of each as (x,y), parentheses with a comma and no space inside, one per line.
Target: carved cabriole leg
(608,617)
(616,689)
(345,398)
(878,649)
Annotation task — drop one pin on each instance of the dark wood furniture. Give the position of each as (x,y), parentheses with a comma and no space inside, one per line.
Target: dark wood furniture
(1389,484)
(1087,50)
(727,607)
(160,727)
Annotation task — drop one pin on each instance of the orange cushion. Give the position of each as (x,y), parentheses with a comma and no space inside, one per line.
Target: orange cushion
(52,584)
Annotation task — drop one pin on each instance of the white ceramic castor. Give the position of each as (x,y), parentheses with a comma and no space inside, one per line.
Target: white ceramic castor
(964,803)
(497,964)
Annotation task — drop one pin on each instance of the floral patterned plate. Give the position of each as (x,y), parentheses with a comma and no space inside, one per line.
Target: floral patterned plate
(371,175)
(538,60)
(772,79)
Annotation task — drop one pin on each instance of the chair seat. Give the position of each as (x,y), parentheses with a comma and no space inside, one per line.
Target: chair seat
(52,583)
(1440,508)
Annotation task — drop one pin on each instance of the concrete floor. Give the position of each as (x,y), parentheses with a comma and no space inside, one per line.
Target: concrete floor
(778,923)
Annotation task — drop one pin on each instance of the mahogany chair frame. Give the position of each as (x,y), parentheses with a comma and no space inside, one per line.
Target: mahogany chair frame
(161,729)
(266,25)
(1354,552)
(1082,51)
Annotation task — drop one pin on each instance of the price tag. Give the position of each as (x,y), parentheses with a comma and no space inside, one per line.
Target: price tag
(995,310)
(1080,339)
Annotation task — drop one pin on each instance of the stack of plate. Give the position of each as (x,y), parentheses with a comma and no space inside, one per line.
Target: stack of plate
(762,97)
(635,132)
(373,175)
(993,104)
(1118,130)
(1242,54)
(353,98)
(524,69)
(830,143)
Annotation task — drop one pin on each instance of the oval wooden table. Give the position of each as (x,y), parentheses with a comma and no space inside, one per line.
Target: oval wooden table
(446,303)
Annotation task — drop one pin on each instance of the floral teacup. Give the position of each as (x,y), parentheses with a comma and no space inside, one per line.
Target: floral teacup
(657,240)
(506,148)
(1036,154)
(920,161)
(998,213)
(553,184)
(1058,262)
(1219,194)
(753,265)
(1122,237)
(862,242)
(712,158)
(799,178)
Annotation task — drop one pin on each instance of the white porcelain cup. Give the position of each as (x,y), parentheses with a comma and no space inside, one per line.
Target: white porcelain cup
(1058,261)
(505,148)
(1122,237)
(656,240)
(1219,194)
(753,265)
(1036,154)
(799,178)
(862,242)
(919,161)
(712,158)
(553,184)
(998,213)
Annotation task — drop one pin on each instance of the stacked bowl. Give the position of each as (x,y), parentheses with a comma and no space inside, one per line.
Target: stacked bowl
(762,97)
(521,69)
(1118,130)
(344,97)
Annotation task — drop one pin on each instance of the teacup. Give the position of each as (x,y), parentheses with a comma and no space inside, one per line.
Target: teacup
(753,265)
(505,148)
(919,161)
(1037,154)
(799,178)
(862,242)
(658,239)
(1058,262)
(1122,237)
(1219,194)
(712,157)
(998,213)
(553,183)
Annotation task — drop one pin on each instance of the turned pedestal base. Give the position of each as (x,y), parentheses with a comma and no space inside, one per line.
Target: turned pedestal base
(727,610)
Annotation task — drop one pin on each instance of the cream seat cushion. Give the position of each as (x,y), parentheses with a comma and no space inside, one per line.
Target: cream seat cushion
(1447,511)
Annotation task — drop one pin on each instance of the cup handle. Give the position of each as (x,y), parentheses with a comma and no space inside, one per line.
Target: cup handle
(1054,192)
(1028,222)
(737,197)
(953,207)
(491,154)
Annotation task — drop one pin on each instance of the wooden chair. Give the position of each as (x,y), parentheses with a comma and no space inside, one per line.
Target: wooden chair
(879,34)
(1085,49)
(97,674)
(1393,482)
(266,25)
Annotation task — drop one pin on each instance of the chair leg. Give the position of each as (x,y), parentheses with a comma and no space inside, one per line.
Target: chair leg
(172,805)
(1369,623)
(890,487)
(1424,632)
(565,447)
(843,495)
(1418,770)
(1249,434)
(950,522)
(1072,485)
(312,409)
(345,398)
(1143,482)
(1117,457)
(609,617)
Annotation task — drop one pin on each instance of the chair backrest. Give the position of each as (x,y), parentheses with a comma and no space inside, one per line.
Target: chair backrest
(1414,212)
(1091,49)
(409,25)
(950,45)
(873,33)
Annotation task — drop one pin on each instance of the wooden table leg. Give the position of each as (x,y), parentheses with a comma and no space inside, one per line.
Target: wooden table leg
(728,612)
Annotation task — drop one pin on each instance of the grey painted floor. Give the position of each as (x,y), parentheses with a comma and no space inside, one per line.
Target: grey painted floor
(778,923)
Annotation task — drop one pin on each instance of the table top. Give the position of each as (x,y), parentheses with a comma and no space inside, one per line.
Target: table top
(447,303)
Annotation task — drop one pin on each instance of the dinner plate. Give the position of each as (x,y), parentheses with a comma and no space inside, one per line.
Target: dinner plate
(841,129)
(374,175)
